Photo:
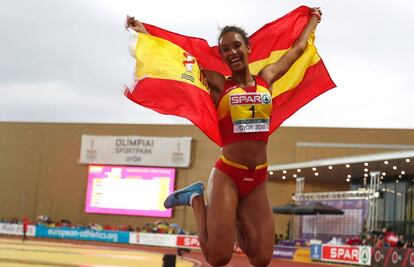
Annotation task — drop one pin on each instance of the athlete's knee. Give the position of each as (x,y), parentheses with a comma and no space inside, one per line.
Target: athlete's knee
(219,259)
(260,260)
(219,255)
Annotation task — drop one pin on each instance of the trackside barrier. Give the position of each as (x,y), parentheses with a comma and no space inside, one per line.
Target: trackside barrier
(16,229)
(297,254)
(148,239)
(357,255)
(284,252)
(392,257)
(188,241)
(302,255)
(316,251)
(164,240)
(82,234)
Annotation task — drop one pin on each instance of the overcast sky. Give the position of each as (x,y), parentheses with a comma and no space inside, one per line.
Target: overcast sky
(67,61)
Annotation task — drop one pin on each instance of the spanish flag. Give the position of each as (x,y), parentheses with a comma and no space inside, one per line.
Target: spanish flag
(169,78)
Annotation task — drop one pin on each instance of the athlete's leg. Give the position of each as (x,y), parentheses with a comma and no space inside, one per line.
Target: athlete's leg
(256,226)
(216,222)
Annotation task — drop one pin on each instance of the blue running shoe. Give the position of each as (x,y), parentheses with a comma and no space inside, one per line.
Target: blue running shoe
(183,196)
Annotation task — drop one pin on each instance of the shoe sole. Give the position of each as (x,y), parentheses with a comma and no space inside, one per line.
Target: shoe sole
(174,196)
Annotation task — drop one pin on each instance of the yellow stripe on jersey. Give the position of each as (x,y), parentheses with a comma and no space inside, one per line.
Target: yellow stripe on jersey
(241,166)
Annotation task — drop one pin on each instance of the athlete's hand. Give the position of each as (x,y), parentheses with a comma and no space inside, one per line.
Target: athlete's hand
(136,25)
(316,12)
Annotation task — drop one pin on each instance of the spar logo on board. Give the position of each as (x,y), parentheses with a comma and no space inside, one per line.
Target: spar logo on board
(340,253)
(188,241)
(347,254)
(365,255)
(250,99)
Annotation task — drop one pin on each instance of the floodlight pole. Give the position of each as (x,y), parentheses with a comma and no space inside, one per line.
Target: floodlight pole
(300,185)
(372,221)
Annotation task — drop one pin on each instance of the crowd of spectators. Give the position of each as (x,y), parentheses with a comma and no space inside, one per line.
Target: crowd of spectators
(387,238)
(378,239)
(279,238)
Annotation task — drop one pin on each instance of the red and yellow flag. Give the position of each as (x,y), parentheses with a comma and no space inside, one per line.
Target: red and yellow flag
(169,79)
(308,76)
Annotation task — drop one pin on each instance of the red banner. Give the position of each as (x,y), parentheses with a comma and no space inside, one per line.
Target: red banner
(340,253)
(188,241)
(392,257)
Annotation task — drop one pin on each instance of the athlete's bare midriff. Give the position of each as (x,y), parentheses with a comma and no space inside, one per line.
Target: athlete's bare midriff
(247,153)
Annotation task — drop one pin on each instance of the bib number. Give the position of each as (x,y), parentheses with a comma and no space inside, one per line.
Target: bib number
(250,112)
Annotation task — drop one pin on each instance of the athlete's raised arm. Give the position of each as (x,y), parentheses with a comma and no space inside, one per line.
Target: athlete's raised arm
(275,71)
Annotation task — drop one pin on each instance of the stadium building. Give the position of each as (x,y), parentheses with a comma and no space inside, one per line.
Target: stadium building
(43,171)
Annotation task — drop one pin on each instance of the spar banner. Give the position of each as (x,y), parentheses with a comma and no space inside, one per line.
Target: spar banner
(192,242)
(392,257)
(359,255)
(16,229)
(136,150)
(188,241)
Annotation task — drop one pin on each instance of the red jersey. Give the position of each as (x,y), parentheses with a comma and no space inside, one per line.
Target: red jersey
(244,113)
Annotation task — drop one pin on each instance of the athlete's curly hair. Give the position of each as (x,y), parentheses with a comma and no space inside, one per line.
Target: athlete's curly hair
(236,29)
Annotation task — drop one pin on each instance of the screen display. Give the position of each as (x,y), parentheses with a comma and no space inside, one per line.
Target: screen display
(128,190)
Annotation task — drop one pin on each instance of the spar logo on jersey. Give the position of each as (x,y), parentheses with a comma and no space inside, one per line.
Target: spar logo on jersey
(266,99)
(250,99)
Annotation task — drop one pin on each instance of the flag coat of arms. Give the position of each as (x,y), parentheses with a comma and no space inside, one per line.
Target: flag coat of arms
(169,77)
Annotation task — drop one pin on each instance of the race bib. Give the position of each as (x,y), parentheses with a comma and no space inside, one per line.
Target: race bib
(250,112)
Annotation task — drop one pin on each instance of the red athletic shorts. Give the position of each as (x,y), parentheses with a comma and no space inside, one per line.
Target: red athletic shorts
(246,180)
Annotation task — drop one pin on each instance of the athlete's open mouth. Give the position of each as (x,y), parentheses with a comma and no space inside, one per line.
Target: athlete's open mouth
(235,60)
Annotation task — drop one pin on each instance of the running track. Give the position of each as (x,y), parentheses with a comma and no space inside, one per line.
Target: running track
(195,255)
(237,260)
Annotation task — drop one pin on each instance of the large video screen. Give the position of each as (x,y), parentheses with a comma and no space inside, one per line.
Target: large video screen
(128,190)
